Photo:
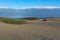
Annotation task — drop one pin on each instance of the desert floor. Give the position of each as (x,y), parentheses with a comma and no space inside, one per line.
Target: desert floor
(34,30)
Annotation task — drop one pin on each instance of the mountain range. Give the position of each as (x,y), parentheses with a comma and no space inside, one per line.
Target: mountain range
(31,12)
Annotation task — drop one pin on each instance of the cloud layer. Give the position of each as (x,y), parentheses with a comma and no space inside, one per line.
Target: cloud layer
(3,7)
(48,7)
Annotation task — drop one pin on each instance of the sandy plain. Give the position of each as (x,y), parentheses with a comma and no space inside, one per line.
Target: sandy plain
(34,30)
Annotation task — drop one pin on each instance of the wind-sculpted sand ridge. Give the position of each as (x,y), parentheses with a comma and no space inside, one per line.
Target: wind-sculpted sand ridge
(34,30)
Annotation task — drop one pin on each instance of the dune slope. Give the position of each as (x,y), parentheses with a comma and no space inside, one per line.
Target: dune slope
(34,30)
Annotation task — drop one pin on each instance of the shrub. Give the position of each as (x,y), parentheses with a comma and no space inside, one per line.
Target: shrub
(44,19)
(31,18)
(11,21)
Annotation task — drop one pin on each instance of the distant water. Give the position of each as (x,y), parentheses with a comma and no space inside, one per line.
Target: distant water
(33,12)
(17,18)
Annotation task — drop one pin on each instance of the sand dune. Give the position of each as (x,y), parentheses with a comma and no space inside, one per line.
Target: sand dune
(34,30)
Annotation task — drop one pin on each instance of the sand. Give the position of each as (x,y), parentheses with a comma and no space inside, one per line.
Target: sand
(34,30)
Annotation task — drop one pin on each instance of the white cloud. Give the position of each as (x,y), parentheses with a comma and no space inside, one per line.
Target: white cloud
(48,7)
(3,7)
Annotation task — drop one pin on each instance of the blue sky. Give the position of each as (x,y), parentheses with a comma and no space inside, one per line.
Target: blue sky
(28,3)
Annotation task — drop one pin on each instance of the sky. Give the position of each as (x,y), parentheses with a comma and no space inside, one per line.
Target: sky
(29,3)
